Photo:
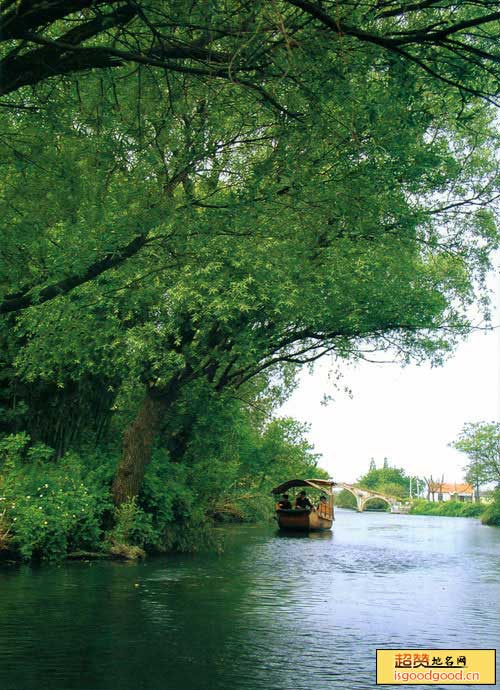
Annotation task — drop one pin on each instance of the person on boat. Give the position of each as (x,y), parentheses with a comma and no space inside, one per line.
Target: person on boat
(322,505)
(284,503)
(302,502)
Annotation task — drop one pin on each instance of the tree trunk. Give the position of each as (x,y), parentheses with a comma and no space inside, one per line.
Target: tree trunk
(138,441)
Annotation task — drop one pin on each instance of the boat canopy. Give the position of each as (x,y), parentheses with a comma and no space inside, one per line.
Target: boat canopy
(319,484)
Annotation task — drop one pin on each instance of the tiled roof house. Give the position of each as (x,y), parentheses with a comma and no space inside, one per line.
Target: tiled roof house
(440,491)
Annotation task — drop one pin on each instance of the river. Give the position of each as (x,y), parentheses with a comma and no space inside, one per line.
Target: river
(272,612)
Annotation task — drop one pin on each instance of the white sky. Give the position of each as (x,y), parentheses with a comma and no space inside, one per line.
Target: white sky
(408,415)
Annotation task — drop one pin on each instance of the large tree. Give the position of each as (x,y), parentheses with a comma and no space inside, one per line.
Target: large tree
(317,269)
(269,51)
(240,42)
(319,185)
(480,441)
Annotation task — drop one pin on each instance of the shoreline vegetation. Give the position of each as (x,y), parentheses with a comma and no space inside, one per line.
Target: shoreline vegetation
(393,482)
(54,509)
(121,542)
(421,506)
(488,513)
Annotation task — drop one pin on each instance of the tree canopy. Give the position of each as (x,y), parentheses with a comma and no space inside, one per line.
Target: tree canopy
(246,44)
(480,442)
(197,199)
(387,480)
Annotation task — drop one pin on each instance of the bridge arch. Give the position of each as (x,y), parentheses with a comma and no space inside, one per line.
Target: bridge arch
(352,490)
(377,498)
(362,497)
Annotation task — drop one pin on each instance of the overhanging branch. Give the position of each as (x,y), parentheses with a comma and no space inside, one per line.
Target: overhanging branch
(23,300)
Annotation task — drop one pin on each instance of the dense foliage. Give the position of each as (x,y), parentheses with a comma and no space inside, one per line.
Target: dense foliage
(491,515)
(345,499)
(50,507)
(387,480)
(447,508)
(480,442)
(197,200)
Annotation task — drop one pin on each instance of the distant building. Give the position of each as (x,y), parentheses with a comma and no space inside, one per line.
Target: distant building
(439,491)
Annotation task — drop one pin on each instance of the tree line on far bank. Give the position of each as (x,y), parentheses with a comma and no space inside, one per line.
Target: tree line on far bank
(480,442)
(388,480)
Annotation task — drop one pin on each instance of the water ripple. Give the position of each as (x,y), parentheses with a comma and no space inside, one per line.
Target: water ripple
(273,612)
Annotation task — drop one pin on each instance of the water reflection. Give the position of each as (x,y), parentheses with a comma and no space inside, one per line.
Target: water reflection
(275,611)
(299,534)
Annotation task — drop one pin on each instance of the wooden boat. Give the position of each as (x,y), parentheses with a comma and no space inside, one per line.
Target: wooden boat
(319,518)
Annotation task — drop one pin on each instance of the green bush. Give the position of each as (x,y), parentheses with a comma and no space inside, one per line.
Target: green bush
(133,526)
(50,508)
(491,515)
(172,496)
(472,509)
(446,508)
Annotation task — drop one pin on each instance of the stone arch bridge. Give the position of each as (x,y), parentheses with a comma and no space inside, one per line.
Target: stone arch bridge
(362,497)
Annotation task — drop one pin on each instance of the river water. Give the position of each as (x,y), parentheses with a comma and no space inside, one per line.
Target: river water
(272,612)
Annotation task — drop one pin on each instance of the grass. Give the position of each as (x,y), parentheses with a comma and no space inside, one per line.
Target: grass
(447,508)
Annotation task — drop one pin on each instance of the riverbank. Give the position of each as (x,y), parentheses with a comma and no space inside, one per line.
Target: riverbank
(421,506)
(50,507)
(488,513)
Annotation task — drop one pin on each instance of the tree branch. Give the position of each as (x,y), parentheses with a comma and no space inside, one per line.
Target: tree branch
(20,300)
